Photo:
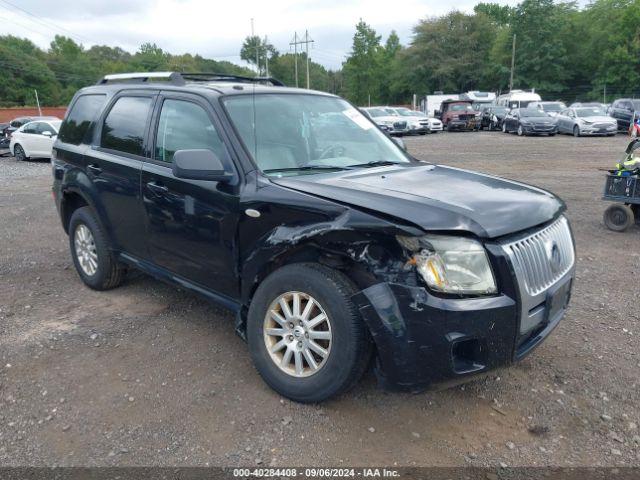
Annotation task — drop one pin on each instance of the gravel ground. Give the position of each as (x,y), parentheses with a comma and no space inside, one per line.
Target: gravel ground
(150,375)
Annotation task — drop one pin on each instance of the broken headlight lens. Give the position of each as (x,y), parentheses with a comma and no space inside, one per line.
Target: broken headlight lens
(451,264)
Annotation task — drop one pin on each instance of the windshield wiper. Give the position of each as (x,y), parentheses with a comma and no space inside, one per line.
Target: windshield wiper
(375,163)
(304,167)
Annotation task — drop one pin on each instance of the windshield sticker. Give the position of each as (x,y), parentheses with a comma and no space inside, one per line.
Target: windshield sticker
(357,118)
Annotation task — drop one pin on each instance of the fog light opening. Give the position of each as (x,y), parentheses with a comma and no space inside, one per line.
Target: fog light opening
(468,356)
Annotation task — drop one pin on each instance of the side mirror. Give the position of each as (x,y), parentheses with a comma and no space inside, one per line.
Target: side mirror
(400,143)
(198,165)
(47,134)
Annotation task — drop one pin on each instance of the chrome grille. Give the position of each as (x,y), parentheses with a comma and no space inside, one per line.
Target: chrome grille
(542,258)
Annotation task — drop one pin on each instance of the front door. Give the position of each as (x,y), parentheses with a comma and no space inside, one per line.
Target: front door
(191,224)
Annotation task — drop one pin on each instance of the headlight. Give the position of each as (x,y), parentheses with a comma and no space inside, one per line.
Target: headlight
(586,122)
(451,264)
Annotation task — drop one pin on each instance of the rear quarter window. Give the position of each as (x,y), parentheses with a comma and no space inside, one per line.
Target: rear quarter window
(80,119)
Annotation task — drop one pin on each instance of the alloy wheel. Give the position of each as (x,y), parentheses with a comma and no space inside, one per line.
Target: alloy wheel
(297,334)
(85,247)
(19,153)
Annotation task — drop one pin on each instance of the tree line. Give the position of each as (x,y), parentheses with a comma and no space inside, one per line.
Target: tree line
(562,50)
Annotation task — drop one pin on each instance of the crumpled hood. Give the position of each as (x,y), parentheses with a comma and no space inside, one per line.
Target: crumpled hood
(436,197)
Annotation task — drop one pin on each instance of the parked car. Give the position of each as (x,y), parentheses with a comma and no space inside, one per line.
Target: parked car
(492,117)
(392,123)
(458,115)
(417,122)
(4,136)
(586,121)
(552,108)
(530,121)
(34,139)
(624,110)
(330,245)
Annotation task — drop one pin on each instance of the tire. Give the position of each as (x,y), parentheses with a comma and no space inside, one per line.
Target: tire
(19,154)
(448,127)
(504,128)
(520,131)
(576,131)
(618,217)
(108,272)
(350,346)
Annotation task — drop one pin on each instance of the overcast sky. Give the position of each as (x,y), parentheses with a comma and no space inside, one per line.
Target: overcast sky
(216,29)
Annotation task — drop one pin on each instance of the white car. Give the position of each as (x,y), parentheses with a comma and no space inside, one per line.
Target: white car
(418,122)
(390,122)
(35,139)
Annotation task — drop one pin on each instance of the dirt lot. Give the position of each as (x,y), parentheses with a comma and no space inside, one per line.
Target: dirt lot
(150,375)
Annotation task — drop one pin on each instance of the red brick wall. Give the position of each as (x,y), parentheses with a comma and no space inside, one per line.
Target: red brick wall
(8,114)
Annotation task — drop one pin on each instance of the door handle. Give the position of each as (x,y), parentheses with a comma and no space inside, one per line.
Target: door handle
(154,187)
(96,170)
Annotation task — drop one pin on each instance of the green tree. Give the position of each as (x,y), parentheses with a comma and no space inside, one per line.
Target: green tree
(254,49)
(362,69)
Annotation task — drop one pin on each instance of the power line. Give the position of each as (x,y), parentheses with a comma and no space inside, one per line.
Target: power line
(46,23)
(306,41)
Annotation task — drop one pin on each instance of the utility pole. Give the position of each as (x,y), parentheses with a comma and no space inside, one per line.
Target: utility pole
(253,37)
(604,94)
(295,54)
(38,103)
(266,56)
(307,40)
(513,61)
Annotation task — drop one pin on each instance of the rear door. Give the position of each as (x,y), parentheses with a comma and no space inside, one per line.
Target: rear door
(191,224)
(114,164)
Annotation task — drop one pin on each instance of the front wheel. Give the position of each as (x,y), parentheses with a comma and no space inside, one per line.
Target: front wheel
(618,217)
(576,131)
(92,257)
(504,128)
(305,335)
(520,131)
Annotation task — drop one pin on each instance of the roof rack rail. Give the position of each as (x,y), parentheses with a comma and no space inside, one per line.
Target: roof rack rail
(180,78)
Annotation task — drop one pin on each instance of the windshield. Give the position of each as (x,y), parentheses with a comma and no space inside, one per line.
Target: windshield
(553,107)
(460,107)
(589,112)
(294,134)
(408,113)
(377,112)
(416,113)
(530,112)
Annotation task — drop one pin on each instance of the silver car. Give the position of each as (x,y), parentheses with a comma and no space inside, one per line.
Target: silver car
(586,121)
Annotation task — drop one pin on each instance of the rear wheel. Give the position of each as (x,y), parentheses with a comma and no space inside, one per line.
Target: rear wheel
(305,335)
(92,257)
(19,153)
(618,217)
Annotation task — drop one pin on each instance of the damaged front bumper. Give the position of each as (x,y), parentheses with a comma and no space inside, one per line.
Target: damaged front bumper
(423,339)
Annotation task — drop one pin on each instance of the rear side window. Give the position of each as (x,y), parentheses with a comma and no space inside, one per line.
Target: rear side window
(125,125)
(83,113)
(184,126)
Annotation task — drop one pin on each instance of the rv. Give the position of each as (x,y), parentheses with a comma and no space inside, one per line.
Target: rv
(518,98)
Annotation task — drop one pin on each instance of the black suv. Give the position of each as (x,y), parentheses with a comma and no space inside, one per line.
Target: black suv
(329,242)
